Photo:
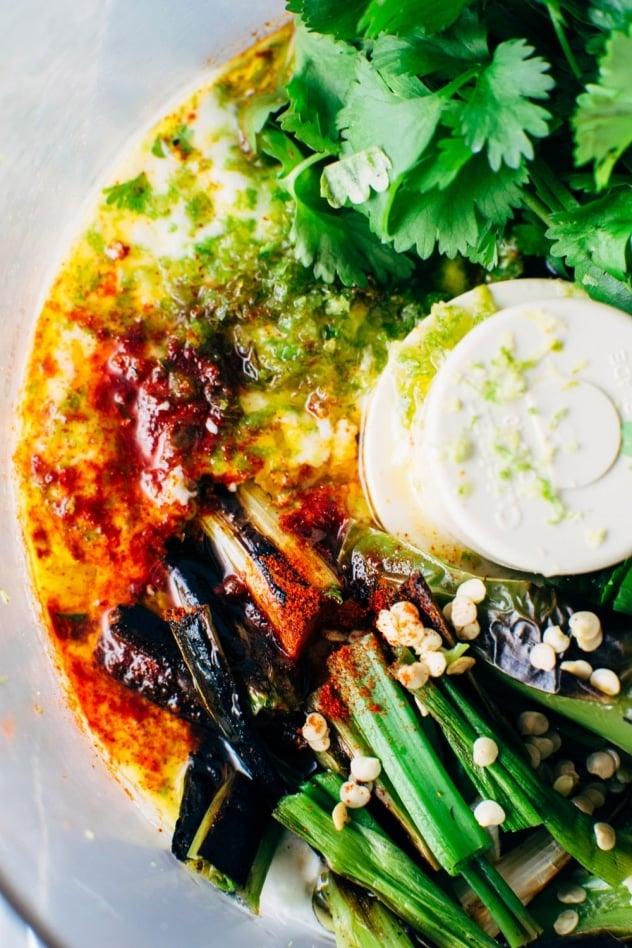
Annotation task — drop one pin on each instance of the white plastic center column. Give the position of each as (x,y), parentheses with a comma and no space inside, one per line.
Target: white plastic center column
(521,437)
(522,449)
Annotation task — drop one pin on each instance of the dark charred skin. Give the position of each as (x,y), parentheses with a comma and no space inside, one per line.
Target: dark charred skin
(228,849)
(137,648)
(201,649)
(267,677)
(291,605)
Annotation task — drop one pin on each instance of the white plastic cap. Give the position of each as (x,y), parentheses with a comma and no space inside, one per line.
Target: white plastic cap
(518,452)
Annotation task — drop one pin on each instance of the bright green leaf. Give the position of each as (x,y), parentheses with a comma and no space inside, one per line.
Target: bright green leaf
(374,116)
(134,195)
(611,14)
(318,89)
(603,120)
(330,16)
(446,55)
(499,115)
(400,16)
(255,112)
(600,231)
(339,243)
(352,178)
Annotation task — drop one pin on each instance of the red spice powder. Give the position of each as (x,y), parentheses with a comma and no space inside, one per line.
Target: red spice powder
(331,705)
(294,618)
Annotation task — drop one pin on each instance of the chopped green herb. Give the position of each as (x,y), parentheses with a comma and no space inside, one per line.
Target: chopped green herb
(134,195)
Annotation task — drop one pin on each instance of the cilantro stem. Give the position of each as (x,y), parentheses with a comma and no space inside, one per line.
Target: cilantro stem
(557,19)
(537,207)
(550,189)
(288,179)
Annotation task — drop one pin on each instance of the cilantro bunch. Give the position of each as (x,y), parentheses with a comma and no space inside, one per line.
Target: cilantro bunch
(410,128)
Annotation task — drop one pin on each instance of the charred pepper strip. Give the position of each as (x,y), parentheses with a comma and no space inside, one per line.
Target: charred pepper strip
(137,648)
(265,674)
(222,818)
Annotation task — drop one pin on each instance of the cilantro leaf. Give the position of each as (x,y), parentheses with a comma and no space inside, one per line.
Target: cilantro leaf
(611,14)
(352,178)
(428,212)
(603,120)
(330,16)
(599,231)
(375,116)
(133,195)
(499,114)
(282,148)
(339,243)
(318,89)
(255,112)
(394,16)
(444,55)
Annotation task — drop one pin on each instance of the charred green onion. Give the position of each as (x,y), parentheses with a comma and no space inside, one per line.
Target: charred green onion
(364,854)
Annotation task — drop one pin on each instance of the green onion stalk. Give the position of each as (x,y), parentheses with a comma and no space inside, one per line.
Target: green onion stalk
(364,854)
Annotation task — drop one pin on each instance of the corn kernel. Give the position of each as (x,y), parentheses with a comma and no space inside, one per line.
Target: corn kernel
(557,639)
(606,681)
(543,657)
(365,769)
(533,722)
(354,795)
(605,836)
(484,751)
(473,589)
(566,922)
(586,629)
(315,727)
(489,813)
(463,612)
(340,816)
(413,676)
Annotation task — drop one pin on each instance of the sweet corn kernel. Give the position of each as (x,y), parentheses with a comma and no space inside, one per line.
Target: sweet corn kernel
(340,816)
(489,813)
(605,836)
(405,611)
(556,638)
(315,727)
(601,764)
(469,632)
(579,668)
(543,657)
(354,795)
(387,624)
(566,922)
(484,751)
(365,769)
(436,663)
(606,681)
(572,894)
(413,676)
(463,612)
(473,589)
(460,665)
(586,629)
(533,722)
